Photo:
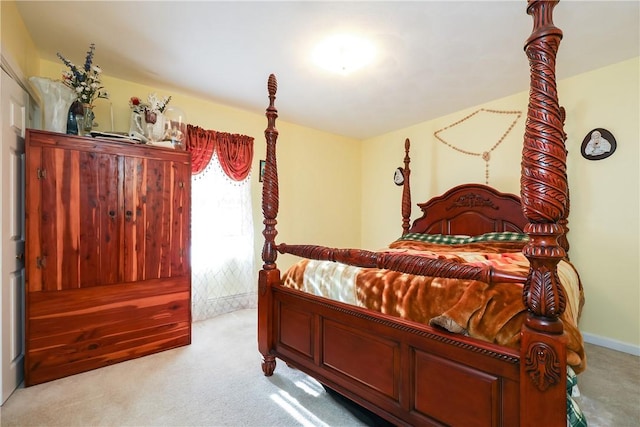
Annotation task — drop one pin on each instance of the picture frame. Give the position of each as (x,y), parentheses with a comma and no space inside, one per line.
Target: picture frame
(398,176)
(598,144)
(261,173)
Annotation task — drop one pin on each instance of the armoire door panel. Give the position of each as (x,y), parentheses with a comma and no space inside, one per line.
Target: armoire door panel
(154,204)
(60,219)
(134,218)
(81,219)
(145,213)
(33,201)
(181,209)
(159,194)
(100,211)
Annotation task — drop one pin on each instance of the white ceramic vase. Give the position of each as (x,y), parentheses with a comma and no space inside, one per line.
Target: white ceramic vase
(155,131)
(56,100)
(136,126)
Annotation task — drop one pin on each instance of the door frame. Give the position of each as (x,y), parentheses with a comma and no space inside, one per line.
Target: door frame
(12,302)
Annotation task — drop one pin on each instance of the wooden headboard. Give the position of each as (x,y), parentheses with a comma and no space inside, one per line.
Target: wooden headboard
(470,209)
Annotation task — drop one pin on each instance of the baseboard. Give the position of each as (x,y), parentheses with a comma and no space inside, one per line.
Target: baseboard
(224,304)
(611,343)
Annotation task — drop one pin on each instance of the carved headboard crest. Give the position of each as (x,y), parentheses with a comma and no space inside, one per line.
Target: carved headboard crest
(471,200)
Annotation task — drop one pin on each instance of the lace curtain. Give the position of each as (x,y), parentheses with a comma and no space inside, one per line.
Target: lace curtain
(223,274)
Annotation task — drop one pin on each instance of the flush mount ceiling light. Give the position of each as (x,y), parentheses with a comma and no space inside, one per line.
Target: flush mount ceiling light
(343,54)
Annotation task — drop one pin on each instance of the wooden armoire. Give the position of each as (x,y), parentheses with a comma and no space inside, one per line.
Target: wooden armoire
(108,273)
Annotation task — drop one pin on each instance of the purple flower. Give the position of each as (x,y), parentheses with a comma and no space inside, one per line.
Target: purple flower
(85,81)
(89,59)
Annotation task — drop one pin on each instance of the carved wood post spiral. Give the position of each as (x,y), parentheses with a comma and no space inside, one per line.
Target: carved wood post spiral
(564,222)
(406,189)
(270,181)
(269,273)
(544,194)
(544,179)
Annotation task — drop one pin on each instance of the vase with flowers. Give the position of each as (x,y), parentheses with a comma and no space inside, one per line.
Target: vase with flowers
(154,116)
(148,118)
(85,81)
(136,126)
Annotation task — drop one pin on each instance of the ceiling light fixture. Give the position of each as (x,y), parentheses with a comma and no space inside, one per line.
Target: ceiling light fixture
(343,53)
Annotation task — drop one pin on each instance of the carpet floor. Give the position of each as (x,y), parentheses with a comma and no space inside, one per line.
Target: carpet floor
(218,381)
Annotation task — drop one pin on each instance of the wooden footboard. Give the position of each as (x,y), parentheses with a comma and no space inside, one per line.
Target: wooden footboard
(408,373)
(412,374)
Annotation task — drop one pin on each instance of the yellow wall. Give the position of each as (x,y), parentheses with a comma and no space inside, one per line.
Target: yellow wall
(604,218)
(436,167)
(17,44)
(605,198)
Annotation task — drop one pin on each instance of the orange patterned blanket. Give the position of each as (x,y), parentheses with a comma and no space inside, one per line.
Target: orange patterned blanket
(492,313)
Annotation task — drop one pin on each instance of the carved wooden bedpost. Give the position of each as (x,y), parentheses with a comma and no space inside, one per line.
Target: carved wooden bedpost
(406,189)
(564,222)
(269,273)
(544,194)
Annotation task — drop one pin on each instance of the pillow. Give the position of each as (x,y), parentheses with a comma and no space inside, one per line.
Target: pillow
(444,239)
(489,242)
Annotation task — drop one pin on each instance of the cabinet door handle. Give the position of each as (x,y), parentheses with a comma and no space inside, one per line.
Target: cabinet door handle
(112,214)
(128,213)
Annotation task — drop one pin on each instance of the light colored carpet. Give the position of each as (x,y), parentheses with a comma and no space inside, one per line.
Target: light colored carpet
(218,381)
(610,388)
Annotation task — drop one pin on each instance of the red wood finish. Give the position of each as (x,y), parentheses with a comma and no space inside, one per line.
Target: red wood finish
(545,203)
(411,264)
(470,209)
(108,270)
(407,372)
(406,189)
(270,192)
(76,330)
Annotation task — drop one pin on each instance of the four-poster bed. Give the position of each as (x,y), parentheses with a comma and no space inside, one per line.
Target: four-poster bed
(416,373)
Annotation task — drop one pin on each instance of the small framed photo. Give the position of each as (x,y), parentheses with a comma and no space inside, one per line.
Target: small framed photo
(262,165)
(598,144)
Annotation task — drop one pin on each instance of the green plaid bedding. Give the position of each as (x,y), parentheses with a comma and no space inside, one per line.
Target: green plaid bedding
(444,239)
(575,417)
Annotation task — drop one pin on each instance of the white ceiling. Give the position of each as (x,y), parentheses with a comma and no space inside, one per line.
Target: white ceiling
(434,57)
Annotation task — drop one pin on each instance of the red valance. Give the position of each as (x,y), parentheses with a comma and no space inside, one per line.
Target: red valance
(235,152)
(200,143)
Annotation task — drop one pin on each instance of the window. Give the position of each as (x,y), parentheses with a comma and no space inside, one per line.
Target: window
(223,273)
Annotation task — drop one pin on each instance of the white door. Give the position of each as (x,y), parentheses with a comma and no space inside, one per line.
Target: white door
(13,123)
